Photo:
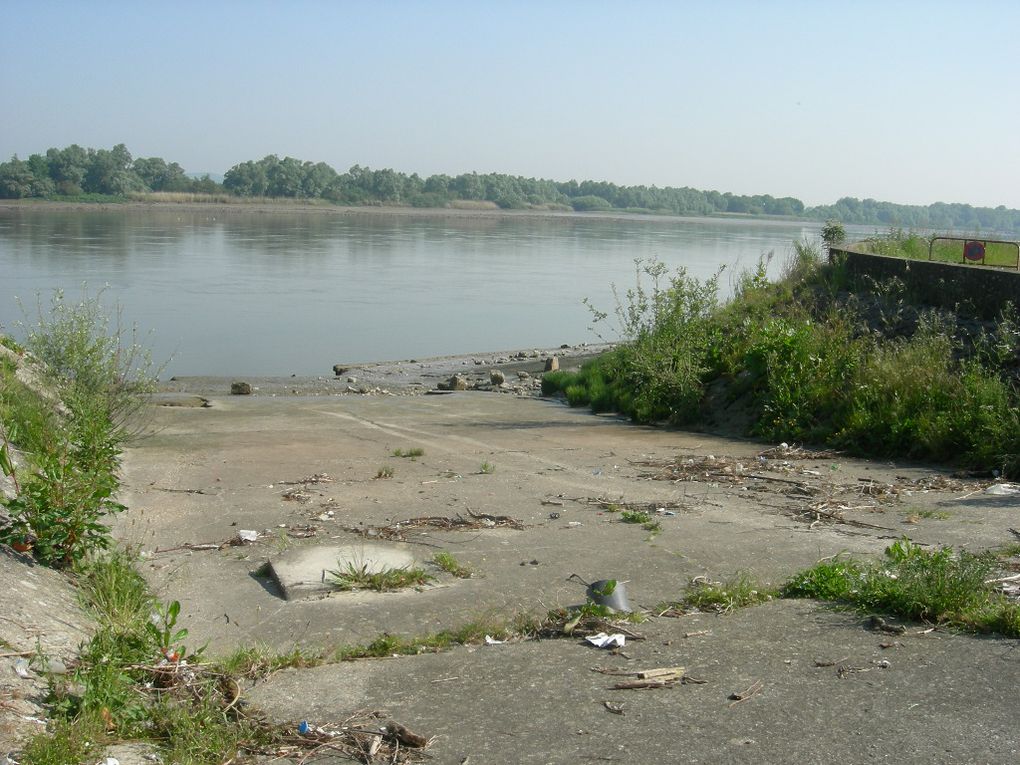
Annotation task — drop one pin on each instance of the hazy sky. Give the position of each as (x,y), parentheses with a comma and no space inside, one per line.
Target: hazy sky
(911,102)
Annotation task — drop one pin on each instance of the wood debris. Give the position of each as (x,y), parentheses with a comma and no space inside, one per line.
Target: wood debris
(648,679)
(747,693)
(312,479)
(474,522)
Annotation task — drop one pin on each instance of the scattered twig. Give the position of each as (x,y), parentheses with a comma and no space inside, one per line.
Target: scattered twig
(747,693)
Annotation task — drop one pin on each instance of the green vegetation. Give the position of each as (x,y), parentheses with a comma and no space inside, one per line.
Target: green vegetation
(132,682)
(803,360)
(724,597)
(448,563)
(914,246)
(101,175)
(359,577)
(937,586)
(648,523)
(384,472)
(411,454)
(101,379)
(105,175)
(487,468)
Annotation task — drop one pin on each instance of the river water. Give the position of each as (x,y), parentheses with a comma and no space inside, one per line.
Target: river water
(233,292)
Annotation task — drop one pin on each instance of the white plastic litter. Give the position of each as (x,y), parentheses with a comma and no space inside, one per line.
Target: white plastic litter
(248,535)
(1003,489)
(603,640)
(490,640)
(21,667)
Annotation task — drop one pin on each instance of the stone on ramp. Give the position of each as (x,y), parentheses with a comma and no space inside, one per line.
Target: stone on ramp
(304,571)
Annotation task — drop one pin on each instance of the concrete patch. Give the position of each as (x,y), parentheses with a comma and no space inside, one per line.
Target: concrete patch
(304,571)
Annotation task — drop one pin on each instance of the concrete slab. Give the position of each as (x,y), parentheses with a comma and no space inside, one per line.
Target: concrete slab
(208,472)
(306,571)
(829,692)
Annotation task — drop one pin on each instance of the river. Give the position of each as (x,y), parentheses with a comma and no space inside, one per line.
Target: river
(225,291)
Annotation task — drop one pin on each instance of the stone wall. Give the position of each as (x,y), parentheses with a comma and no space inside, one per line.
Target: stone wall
(977,291)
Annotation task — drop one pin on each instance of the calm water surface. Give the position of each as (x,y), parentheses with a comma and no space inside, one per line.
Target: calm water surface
(243,293)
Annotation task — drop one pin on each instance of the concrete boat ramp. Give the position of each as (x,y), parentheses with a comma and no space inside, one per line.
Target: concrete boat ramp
(242,506)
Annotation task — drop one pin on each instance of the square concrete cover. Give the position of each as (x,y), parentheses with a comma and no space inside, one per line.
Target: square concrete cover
(304,571)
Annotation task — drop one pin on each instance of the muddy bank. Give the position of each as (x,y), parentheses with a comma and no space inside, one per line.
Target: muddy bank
(521,370)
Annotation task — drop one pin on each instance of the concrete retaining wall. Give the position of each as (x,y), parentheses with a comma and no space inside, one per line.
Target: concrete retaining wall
(978,291)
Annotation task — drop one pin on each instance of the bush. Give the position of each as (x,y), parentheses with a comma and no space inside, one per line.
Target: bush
(60,507)
(807,365)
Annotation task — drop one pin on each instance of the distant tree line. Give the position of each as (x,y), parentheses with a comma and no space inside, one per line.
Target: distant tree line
(939,216)
(74,171)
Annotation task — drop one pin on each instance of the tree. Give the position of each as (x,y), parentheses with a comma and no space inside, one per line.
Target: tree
(17,181)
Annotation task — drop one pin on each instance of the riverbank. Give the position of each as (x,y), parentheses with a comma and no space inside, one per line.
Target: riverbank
(263,207)
(521,370)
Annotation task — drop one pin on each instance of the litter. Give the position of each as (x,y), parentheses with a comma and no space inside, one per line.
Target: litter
(1003,489)
(21,668)
(490,640)
(247,535)
(604,640)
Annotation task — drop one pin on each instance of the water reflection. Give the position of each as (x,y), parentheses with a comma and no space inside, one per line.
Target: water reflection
(246,292)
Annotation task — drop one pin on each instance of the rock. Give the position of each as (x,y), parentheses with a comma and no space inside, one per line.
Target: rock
(522,375)
(240,388)
(339,370)
(552,364)
(352,380)
(496,377)
(457,382)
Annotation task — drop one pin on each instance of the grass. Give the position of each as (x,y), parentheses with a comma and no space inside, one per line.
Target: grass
(642,517)
(353,576)
(938,586)
(411,454)
(724,597)
(914,246)
(803,360)
(487,468)
(448,563)
(384,472)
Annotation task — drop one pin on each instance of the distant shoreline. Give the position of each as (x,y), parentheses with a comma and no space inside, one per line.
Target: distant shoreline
(262,208)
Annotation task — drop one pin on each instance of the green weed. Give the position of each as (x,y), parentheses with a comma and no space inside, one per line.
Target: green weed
(487,468)
(353,576)
(938,586)
(724,597)
(448,563)
(411,454)
(384,472)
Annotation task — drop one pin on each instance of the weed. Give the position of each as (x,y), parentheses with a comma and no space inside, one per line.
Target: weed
(1009,551)
(448,563)
(936,515)
(384,472)
(353,576)
(723,597)
(61,505)
(635,516)
(411,454)
(932,585)
(647,521)
(487,468)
